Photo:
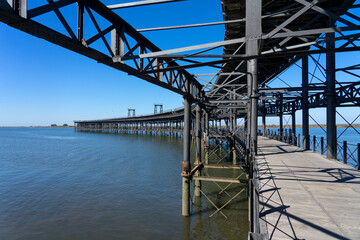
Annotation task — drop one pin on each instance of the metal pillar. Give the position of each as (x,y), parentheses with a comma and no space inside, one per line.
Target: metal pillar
(330,98)
(198,149)
(293,126)
(281,119)
(206,137)
(235,122)
(293,119)
(185,164)
(253,30)
(305,94)
(264,118)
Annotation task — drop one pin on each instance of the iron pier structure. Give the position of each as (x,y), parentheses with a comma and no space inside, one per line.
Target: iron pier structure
(263,39)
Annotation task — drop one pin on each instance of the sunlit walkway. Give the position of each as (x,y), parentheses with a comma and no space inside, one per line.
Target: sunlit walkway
(305,196)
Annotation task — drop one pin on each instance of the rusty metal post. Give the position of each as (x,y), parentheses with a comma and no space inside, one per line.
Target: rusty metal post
(322,145)
(206,137)
(314,143)
(198,148)
(185,164)
(233,151)
(220,146)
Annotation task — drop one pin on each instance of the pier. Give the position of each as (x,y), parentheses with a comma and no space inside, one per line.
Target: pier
(303,195)
(298,186)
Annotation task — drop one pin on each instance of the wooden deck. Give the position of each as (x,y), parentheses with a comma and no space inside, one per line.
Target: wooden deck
(306,196)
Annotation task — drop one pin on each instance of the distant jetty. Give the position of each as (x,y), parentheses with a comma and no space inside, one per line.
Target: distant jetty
(312,126)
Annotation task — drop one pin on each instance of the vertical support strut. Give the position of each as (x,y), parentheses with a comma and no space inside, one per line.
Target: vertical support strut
(198,149)
(264,118)
(206,148)
(305,94)
(80,23)
(293,123)
(330,97)
(19,6)
(281,118)
(185,164)
(253,31)
(117,42)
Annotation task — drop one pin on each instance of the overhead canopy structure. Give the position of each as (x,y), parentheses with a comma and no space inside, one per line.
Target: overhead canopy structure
(289,28)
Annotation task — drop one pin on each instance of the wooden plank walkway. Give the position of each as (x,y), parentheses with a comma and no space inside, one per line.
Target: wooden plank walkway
(306,196)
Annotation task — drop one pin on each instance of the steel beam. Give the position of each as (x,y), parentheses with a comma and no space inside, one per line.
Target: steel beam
(264,118)
(293,119)
(305,95)
(206,148)
(253,31)
(139,3)
(9,16)
(197,191)
(186,168)
(281,116)
(330,99)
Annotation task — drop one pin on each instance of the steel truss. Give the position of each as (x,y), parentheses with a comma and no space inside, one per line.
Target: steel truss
(262,39)
(346,96)
(124,42)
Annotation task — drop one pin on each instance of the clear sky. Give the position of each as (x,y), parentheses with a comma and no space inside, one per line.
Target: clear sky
(42,83)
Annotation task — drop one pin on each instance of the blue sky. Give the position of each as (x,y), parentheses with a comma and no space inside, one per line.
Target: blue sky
(41,83)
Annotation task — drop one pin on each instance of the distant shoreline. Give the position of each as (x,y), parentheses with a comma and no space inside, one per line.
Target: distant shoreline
(36,127)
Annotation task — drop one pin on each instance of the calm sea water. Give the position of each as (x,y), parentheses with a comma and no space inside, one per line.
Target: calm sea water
(61,184)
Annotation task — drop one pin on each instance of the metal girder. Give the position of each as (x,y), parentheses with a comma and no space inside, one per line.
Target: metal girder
(300,33)
(172,80)
(139,3)
(289,89)
(346,96)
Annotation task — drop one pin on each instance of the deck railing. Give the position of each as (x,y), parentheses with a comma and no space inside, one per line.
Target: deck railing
(348,153)
(256,232)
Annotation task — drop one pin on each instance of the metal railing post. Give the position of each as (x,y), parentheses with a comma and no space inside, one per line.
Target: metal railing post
(345,152)
(314,143)
(358,151)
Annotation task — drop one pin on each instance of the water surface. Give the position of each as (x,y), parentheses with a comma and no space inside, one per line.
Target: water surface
(59,184)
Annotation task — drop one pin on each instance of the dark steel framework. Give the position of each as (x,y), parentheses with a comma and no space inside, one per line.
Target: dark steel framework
(263,38)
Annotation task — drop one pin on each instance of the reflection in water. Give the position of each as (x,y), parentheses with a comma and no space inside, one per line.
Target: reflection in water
(229,223)
(105,186)
(186,228)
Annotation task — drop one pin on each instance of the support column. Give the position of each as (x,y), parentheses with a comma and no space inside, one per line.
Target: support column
(253,30)
(281,115)
(198,134)
(305,108)
(185,164)
(293,119)
(330,98)
(264,118)
(206,137)
(293,124)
